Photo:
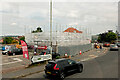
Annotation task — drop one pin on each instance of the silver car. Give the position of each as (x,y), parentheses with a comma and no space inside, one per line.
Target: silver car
(113,47)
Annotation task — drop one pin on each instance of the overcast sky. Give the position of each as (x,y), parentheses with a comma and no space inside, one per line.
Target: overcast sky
(22,17)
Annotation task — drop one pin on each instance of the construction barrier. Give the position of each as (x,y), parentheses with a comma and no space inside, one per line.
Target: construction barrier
(73,49)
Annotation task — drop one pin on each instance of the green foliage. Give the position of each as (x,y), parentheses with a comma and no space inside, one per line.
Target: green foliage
(111,37)
(57,57)
(22,38)
(38,30)
(99,39)
(14,41)
(7,40)
(107,37)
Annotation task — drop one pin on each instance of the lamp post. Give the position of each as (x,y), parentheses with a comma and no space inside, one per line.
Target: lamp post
(51,26)
(117,32)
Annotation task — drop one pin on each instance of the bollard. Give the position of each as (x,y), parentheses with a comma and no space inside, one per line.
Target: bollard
(69,56)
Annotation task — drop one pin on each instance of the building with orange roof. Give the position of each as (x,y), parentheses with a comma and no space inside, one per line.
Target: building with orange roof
(73,30)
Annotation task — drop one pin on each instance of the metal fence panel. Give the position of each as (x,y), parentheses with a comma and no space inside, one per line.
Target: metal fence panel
(73,49)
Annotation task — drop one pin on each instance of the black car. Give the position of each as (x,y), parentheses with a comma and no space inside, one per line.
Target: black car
(15,51)
(60,67)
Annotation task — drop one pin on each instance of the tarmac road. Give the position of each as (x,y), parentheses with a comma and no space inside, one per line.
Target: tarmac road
(105,66)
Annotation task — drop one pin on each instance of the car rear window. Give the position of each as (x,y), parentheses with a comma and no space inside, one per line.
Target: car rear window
(63,63)
(51,64)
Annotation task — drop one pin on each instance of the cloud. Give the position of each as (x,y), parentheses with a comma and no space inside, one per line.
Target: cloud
(13,24)
(87,14)
(73,23)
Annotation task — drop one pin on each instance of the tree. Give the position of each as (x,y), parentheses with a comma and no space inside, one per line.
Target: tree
(38,30)
(14,41)
(7,40)
(22,38)
(111,37)
(107,37)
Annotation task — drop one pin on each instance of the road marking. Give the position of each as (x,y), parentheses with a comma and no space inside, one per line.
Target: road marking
(92,57)
(15,56)
(85,59)
(18,60)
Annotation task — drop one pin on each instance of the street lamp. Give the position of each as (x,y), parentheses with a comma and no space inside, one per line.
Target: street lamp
(51,26)
(117,32)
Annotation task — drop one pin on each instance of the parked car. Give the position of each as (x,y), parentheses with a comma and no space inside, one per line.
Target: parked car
(106,44)
(5,52)
(118,44)
(30,46)
(60,67)
(14,51)
(113,47)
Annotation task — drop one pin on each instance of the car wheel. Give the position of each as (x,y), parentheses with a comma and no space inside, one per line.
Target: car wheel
(62,75)
(80,68)
(47,75)
(13,54)
(6,53)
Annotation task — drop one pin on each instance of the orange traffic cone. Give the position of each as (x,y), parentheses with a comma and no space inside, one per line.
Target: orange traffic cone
(80,52)
(66,55)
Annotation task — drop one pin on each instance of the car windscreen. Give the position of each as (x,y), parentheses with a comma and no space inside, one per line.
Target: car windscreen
(112,45)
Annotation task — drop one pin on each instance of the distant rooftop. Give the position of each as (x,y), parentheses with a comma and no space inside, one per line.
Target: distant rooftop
(72,30)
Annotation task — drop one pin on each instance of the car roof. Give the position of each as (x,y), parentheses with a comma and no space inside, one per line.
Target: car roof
(57,60)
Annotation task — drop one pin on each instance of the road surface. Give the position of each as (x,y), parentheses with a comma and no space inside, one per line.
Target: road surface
(101,67)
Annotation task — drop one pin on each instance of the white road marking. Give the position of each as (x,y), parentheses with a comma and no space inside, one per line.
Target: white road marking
(91,57)
(85,59)
(18,60)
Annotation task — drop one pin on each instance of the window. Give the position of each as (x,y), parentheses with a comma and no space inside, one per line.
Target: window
(71,61)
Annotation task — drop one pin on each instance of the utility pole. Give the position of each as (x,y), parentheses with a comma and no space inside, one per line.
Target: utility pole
(117,32)
(56,40)
(51,26)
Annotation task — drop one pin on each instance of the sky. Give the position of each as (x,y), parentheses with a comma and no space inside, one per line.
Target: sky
(18,18)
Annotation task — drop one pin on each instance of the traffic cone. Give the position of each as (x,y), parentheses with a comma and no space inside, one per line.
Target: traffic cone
(80,52)
(65,54)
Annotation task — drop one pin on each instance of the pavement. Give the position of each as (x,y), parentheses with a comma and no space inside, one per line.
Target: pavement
(11,63)
(28,71)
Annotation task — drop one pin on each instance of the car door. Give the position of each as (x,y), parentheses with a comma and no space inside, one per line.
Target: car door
(66,66)
(72,64)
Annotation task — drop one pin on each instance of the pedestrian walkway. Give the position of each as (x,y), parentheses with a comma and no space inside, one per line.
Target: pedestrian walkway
(27,71)
(90,54)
